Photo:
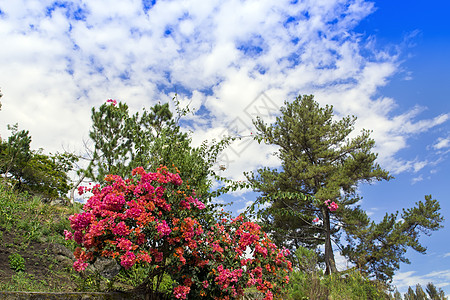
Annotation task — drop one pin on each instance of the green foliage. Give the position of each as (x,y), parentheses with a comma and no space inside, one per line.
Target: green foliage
(123,142)
(25,282)
(378,249)
(150,139)
(34,171)
(319,162)
(432,293)
(308,282)
(138,274)
(31,219)
(15,153)
(16,262)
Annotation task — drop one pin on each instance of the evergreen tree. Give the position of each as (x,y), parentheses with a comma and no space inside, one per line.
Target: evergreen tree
(112,149)
(397,295)
(433,292)
(378,249)
(420,294)
(410,295)
(123,142)
(321,167)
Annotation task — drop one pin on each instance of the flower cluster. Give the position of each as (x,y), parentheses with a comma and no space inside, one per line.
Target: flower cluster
(256,259)
(154,219)
(331,206)
(112,101)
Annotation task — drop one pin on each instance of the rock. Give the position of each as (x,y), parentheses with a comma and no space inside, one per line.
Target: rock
(60,250)
(58,201)
(64,261)
(107,267)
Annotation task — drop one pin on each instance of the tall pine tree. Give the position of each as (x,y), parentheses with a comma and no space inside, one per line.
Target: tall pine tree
(320,165)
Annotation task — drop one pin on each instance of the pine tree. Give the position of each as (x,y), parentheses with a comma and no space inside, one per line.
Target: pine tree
(397,295)
(319,163)
(149,139)
(112,148)
(410,294)
(378,249)
(420,294)
(433,292)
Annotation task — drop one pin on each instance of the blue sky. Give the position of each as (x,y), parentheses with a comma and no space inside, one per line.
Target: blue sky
(384,61)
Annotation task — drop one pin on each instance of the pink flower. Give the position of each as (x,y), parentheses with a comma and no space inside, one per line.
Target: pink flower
(113,201)
(269,296)
(333,206)
(79,265)
(175,179)
(316,220)
(199,204)
(80,190)
(128,259)
(112,101)
(144,256)
(124,244)
(80,221)
(121,229)
(163,228)
(181,291)
(205,284)
(68,235)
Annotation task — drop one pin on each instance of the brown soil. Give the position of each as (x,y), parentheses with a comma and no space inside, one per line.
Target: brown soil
(39,262)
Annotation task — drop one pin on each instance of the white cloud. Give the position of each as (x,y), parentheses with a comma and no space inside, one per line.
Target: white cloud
(402,280)
(417,179)
(247,204)
(60,60)
(442,143)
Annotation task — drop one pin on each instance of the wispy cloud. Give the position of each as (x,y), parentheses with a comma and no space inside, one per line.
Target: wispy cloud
(402,280)
(417,179)
(442,143)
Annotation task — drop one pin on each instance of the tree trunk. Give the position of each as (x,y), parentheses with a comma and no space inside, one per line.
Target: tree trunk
(72,191)
(329,255)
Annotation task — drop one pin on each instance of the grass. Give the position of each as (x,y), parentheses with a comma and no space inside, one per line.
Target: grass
(28,228)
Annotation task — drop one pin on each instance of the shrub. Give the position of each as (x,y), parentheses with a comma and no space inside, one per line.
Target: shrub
(16,262)
(152,220)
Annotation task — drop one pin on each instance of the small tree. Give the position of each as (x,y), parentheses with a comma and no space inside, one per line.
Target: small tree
(434,293)
(15,153)
(33,170)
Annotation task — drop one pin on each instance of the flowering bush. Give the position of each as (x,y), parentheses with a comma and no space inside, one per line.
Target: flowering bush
(155,220)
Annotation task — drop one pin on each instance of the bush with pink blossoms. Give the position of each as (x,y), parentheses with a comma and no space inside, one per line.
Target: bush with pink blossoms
(153,220)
